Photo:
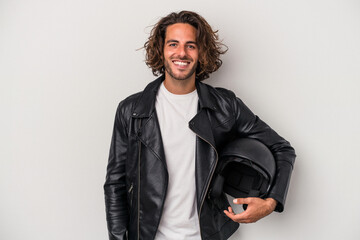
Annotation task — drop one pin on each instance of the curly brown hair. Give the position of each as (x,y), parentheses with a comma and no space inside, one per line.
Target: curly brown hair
(210,48)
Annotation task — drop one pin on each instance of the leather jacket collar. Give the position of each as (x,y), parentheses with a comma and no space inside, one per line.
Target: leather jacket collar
(146,103)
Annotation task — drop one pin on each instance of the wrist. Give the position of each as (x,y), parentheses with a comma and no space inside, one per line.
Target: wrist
(271,203)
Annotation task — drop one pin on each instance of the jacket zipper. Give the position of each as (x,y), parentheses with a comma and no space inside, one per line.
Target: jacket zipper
(131,193)
(212,173)
(131,187)
(138,222)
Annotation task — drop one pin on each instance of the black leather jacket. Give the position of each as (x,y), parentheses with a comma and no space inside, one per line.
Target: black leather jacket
(137,177)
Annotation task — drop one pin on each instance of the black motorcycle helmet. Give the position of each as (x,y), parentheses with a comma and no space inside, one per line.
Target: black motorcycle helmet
(246,169)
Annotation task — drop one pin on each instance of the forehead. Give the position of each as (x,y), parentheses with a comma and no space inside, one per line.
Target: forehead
(181,31)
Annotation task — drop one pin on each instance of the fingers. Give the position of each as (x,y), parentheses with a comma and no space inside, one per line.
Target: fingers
(257,209)
(242,200)
(240,218)
(229,212)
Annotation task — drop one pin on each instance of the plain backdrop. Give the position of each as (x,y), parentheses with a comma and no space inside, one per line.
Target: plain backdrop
(65,65)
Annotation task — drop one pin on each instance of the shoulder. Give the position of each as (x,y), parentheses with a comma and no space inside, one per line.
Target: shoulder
(226,93)
(126,106)
(141,103)
(219,93)
(130,100)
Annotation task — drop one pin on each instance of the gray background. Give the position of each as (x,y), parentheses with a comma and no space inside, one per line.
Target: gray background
(65,65)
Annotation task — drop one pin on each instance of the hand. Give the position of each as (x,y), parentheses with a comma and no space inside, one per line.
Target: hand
(257,208)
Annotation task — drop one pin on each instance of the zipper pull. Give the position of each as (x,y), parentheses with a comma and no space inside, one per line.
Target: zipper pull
(131,187)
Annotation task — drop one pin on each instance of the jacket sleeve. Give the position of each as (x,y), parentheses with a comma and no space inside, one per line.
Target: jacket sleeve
(115,186)
(250,125)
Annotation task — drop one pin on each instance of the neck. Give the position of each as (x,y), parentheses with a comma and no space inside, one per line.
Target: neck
(179,86)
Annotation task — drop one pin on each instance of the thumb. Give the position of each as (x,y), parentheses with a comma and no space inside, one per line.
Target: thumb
(241,201)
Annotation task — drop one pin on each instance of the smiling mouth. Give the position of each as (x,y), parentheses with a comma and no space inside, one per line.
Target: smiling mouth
(181,63)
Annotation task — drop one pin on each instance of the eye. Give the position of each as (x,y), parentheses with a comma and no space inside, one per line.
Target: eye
(191,46)
(172,44)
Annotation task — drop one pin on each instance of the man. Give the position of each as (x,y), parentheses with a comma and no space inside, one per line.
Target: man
(165,143)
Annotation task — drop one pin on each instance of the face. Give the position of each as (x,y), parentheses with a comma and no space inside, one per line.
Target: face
(180,52)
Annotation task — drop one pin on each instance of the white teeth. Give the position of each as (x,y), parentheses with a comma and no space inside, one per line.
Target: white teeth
(181,63)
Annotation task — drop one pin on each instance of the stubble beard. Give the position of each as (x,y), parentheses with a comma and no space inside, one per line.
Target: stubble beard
(178,76)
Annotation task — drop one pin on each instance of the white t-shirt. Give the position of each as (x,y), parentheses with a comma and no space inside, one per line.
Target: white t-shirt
(179,218)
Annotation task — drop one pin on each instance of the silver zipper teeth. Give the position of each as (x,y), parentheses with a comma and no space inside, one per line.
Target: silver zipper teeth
(207,187)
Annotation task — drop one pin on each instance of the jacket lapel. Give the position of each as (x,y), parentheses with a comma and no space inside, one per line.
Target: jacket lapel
(144,109)
(150,135)
(201,126)
(206,154)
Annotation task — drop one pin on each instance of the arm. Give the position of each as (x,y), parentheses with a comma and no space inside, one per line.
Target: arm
(249,125)
(257,208)
(115,185)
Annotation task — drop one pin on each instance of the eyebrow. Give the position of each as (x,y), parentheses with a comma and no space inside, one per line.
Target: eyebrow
(176,41)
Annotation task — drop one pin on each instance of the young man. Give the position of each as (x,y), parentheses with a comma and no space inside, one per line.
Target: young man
(165,143)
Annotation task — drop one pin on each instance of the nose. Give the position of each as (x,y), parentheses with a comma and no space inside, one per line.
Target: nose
(181,51)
